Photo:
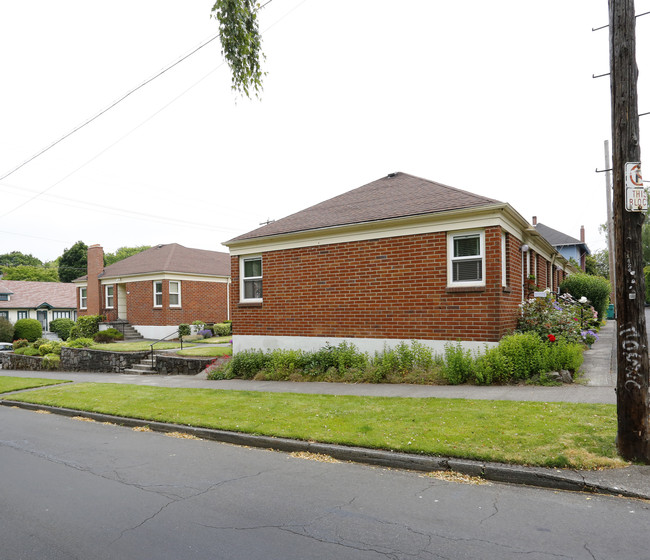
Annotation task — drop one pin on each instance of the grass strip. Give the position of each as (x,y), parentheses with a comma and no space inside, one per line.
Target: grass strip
(134,346)
(8,384)
(208,351)
(528,433)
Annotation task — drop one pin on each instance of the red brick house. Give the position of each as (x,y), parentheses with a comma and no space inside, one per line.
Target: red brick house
(399,259)
(157,289)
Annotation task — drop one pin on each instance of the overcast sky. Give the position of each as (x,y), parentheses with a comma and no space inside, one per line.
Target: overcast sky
(496,98)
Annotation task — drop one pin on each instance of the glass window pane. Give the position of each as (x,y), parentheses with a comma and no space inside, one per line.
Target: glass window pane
(252,268)
(468,271)
(467,246)
(173,299)
(252,289)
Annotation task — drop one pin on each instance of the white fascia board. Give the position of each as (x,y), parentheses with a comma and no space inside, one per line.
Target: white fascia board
(164,276)
(455,220)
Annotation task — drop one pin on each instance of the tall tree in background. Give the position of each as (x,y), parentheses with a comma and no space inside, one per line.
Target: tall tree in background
(241,43)
(123,253)
(73,262)
(16,258)
(29,273)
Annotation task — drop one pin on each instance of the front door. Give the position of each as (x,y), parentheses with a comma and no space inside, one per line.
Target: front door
(42,318)
(121,301)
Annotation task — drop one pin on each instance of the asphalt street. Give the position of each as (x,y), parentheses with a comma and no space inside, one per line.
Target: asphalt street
(73,489)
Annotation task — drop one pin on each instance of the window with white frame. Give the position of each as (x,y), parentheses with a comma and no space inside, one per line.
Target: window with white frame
(250,278)
(466,258)
(157,293)
(60,314)
(83,298)
(110,297)
(174,293)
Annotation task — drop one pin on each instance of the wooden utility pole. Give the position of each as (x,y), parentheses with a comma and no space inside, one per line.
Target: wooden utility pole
(633,439)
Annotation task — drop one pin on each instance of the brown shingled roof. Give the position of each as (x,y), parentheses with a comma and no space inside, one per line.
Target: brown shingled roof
(394,196)
(172,258)
(30,295)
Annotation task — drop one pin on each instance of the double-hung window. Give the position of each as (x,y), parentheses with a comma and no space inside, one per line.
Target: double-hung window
(251,279)
(157,293)
(83,298)
(109,297)
(466,259)
(23,314)
(174,293)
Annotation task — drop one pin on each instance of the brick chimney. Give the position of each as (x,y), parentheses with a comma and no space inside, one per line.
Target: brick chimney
(534,220)
(582,234)
(95,268)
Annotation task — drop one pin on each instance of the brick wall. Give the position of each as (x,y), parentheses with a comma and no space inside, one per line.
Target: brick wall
(384,288)
(205,301)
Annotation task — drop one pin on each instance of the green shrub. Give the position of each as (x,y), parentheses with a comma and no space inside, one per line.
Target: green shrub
(51,347)
(6,330)
(61,327)
(522,354)
(184,330)
(595,288)
(490,367)
(222,329)
(20,343)
(51,361)
(80,343)
(39,342)
(248,363)
(27,351)
(87,326)
(30,329)
(458,364)
(108,335)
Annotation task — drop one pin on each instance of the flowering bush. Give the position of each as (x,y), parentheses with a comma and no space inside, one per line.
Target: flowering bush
(564,317)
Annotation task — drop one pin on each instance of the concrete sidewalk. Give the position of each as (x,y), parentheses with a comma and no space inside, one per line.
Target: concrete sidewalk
(596,386)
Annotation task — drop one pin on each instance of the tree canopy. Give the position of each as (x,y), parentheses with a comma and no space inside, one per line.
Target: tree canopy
(73,262)
(123,253)
(241,43)
(29,273)
(16,258)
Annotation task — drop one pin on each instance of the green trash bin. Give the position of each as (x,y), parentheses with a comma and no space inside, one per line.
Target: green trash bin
(610,311)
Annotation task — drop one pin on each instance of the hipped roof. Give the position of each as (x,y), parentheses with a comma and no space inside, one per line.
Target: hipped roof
(395,196)
(31,295)
(172,258)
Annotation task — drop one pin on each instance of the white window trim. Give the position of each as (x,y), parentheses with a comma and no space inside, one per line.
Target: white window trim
(450,258)
(242,260)
(156,293)
(178,282)
(112,297)
(83,299)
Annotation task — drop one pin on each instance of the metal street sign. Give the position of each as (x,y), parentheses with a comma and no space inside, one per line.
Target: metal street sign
(636,199)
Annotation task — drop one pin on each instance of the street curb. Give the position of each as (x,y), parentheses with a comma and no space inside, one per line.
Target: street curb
(559,479)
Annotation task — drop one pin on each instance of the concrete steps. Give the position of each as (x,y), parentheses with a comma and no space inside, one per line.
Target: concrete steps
(143,367)
(130,334)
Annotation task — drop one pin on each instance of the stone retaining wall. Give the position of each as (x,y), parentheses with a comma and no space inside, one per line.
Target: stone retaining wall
(18,361)
(176,365)
(85,359)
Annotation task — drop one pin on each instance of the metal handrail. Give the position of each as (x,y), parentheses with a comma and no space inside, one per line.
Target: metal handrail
(165,338)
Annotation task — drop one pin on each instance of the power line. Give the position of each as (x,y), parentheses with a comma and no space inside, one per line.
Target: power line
(95,117)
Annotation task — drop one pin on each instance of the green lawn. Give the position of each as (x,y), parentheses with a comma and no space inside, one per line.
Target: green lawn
(134,346)
(8,384)
(215,340)
(529,433)
(207,351)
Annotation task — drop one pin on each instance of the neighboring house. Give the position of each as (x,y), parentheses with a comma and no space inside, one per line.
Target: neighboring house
(569,247)
(44,301)
(399,259)
(157,289)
